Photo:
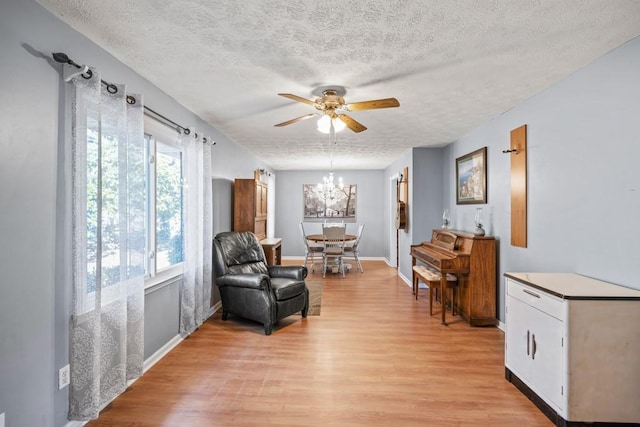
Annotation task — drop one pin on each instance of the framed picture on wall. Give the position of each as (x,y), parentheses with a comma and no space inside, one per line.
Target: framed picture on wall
(329,202)
(471,178)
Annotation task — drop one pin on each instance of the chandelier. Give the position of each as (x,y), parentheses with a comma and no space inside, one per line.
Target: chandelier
(328,187)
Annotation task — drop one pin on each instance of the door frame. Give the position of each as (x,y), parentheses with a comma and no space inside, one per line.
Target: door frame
(393,231)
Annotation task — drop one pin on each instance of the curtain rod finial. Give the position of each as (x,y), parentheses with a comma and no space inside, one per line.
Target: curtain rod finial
(62,57)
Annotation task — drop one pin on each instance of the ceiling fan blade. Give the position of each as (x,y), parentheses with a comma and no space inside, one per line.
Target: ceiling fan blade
(370,105)
(351,123)
(297,119)
(298,98)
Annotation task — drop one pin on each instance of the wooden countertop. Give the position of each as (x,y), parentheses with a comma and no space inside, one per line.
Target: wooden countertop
(271,241)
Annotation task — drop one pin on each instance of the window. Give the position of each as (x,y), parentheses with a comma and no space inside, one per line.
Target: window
(110,202)
(134,211)
(164,193)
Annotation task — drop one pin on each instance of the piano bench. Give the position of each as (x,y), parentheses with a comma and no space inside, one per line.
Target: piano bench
(432,280)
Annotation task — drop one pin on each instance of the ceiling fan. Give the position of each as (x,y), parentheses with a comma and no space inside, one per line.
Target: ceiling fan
(332,105)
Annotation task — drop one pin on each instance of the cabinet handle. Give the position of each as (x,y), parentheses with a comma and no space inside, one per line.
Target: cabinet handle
(533,294)
(527,342)
(533,342)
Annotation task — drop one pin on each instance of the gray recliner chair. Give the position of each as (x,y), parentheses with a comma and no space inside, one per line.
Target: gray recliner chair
(250,288)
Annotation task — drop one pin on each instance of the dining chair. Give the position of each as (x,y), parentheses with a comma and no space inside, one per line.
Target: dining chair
(351,249)
(333,237)
(311,250)
(334,223)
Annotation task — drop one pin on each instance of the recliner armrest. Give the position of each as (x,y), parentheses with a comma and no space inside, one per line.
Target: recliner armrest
(297,272)
(247,280)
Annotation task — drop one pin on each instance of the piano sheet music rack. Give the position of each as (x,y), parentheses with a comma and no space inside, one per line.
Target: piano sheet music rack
(473,260)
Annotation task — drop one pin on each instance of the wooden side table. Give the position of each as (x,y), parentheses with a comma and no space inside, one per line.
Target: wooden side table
(272,250)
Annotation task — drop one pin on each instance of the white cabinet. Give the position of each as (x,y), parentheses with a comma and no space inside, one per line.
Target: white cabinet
(575,343)
(533,348)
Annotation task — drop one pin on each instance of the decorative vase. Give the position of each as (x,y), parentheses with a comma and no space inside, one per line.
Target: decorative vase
(479,231)
(446,219)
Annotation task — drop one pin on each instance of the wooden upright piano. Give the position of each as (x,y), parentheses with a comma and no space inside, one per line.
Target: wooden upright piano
(473,260)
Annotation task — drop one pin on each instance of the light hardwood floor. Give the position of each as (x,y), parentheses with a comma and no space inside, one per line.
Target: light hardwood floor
(374,357)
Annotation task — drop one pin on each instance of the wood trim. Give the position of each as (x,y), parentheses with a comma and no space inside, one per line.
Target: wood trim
(518,151)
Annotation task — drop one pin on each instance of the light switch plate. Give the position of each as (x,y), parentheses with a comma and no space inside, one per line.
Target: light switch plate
(2,419)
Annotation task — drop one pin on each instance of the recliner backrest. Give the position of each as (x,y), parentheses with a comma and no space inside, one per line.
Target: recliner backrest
(239,252)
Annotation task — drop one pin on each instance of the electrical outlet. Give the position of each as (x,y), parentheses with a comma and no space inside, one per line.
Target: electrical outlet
(2,419)
(64,377)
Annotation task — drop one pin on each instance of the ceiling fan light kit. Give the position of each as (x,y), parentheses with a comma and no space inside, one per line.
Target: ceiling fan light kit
(333,109)
(325,123)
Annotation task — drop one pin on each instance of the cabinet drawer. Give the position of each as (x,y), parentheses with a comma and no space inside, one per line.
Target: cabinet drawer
(536,298)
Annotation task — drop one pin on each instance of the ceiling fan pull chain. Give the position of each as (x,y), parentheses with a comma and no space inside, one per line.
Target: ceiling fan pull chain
(333,133)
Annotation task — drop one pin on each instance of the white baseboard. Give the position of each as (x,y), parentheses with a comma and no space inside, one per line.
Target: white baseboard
(388,261)
(217,306)
(161,352)
(210,312)
(405,279)
(153,359)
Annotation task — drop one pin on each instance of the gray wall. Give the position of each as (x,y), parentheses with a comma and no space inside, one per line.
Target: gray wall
(584,193)
(289,209)
(583,180)
(584,188)
(425,201)
(426,192)
(223,208)
(404,237)
(161,315)
(35,289)
(28,142)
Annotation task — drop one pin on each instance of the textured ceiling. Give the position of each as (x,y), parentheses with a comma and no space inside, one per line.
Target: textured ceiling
(452,64)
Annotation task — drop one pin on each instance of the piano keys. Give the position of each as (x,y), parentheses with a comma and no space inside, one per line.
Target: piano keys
(473,260)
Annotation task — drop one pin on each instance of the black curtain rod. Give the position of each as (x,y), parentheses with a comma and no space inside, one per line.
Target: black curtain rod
(185,130)
(111,88)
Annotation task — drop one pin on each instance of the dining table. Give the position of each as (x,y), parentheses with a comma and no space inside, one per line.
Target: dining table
(319,238)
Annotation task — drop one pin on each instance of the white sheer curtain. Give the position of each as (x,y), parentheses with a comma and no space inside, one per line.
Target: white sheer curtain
(108,223)
(195,293)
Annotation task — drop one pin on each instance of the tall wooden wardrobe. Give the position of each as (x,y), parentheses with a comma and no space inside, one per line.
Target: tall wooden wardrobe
(250,207)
